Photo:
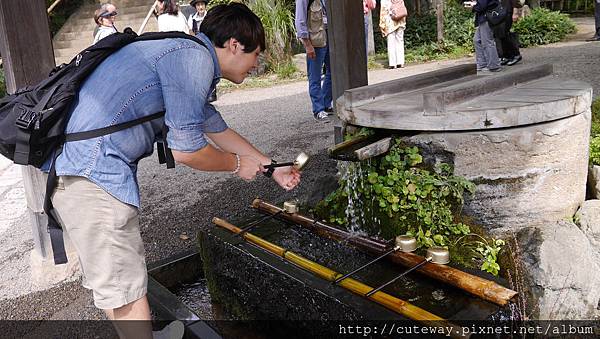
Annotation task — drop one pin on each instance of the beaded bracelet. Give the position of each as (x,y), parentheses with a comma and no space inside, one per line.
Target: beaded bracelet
(237,166)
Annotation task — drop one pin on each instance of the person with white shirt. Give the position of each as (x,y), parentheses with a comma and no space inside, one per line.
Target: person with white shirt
(195,19)
(104,17)
(170,18)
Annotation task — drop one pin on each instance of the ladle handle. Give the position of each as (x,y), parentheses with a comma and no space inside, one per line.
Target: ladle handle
(280,165)
(336,281)
(371,292)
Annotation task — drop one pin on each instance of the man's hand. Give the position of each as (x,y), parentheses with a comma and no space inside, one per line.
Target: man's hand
(310,49)
(249,167)
(515,17)
(286,177)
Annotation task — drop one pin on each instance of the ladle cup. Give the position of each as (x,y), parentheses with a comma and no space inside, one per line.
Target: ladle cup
(403,243)
(289,207)
(299,163)
(436,255)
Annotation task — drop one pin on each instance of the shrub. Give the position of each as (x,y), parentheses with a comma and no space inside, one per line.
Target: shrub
(596,117)
(542,27)
(595,137)
(278,21)
(2,84)
(421,33)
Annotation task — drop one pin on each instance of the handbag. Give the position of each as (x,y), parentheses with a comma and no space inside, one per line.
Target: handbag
(398,10)
(496,14)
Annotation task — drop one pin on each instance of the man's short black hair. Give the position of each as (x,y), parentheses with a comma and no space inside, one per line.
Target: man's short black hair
(234,20)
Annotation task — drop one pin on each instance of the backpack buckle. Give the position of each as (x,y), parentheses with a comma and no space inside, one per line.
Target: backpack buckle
(26,119)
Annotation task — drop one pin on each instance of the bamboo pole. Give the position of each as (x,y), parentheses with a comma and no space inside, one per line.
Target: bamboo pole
(480,287)
(395,304)
(54,4)
(143,25)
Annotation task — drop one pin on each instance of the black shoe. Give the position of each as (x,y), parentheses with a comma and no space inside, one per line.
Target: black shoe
(329,110)
(514,60)
(594,38)
(503,61)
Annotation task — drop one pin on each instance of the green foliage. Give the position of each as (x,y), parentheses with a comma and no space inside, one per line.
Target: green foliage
(278,21)
(420,30)
(60,14)
(542,27)
(2,84)
(459,25)
(488,252)
(484,251)
(595,134)
(596,117)
(285,70)
(400,193)
(421,34)
(595,150)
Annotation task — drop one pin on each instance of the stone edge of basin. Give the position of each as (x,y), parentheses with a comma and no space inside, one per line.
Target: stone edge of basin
(438,114)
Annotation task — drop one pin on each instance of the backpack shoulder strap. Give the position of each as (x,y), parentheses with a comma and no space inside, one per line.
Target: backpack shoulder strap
(168,35)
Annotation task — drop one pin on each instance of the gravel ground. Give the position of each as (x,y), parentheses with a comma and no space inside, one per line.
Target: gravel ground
(181,201)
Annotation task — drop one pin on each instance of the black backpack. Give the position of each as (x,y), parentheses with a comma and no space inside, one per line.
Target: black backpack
(33,120)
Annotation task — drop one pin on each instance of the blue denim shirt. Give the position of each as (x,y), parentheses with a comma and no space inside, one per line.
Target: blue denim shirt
(171,75)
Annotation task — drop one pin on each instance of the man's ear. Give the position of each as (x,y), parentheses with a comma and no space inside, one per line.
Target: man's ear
(234,45)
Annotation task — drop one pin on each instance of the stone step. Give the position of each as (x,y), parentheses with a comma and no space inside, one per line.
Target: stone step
(83,17)
(87,31)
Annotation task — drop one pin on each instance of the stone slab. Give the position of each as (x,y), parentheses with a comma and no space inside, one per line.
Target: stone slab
(509,104)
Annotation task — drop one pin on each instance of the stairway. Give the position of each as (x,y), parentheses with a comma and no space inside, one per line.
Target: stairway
(77,33)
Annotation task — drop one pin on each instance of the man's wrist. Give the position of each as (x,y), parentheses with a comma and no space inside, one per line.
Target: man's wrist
(270,170)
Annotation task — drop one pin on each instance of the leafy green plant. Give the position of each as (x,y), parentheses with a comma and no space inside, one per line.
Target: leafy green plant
(278,21)
(285,70)
(542,27)
(596,117)
(595,151)
(2,84)
(484,251)
(399,192)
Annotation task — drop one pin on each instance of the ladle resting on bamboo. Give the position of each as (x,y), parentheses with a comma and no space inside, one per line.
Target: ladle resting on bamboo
(480,287)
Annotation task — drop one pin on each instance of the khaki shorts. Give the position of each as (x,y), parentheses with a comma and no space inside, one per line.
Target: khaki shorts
(106,235)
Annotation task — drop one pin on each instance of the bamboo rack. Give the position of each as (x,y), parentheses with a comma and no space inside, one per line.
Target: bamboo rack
(480,287)
(395,304)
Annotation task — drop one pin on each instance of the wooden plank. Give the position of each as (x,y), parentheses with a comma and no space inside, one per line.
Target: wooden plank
(364,95)
(436,101)
(377,148)
(27,53)
(28,58)
(346,38)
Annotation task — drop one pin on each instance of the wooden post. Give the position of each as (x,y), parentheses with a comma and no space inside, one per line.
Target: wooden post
(28,58)
(346,33)
(439,10)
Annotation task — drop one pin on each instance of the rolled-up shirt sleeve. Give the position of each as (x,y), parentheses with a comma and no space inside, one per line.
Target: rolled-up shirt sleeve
(186,77)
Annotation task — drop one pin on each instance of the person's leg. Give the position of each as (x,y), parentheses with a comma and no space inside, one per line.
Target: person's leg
(367,35)
(391,47)
(480,58)
(489,46)
(105,233)
(314,69)
(509,45)
(327,85)
(597,18)
(400,47)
